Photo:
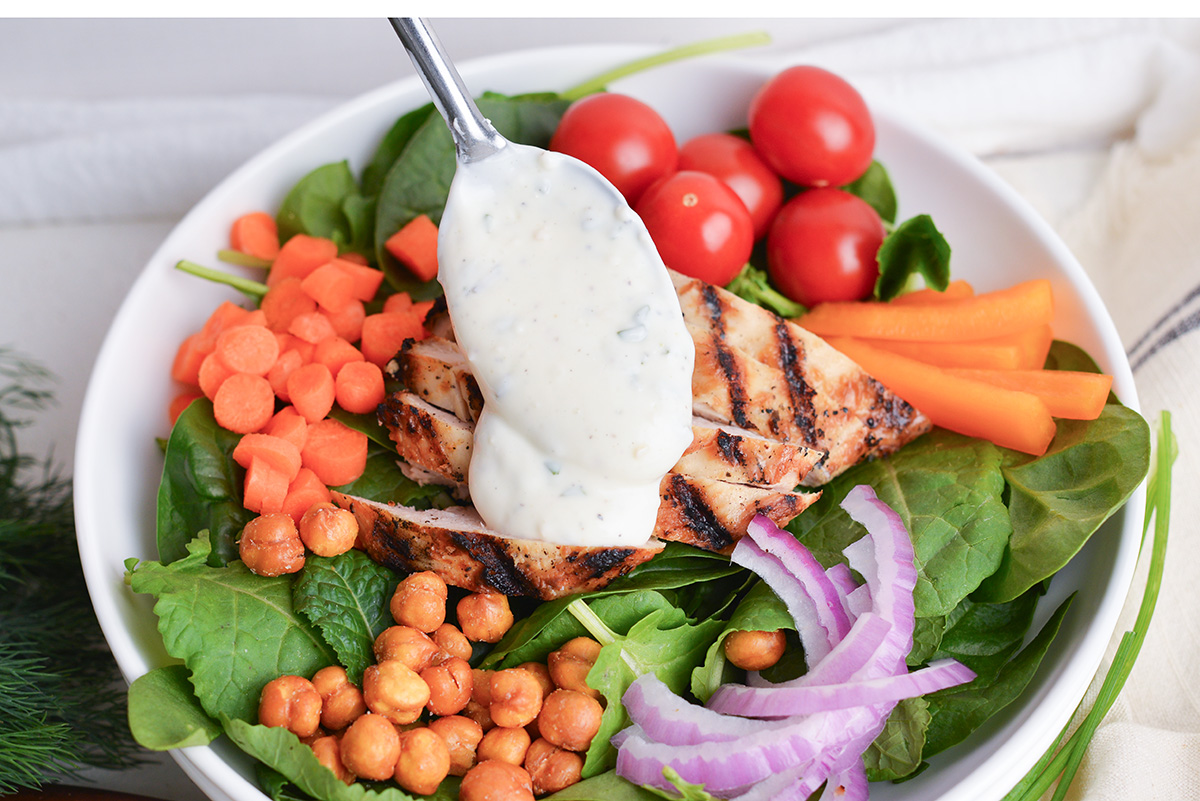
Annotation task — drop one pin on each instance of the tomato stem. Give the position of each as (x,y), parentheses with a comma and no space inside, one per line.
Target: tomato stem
(702,48)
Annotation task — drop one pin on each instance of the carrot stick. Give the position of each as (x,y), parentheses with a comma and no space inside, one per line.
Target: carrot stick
(305,492)
(359,387)
(311,390)
(1024,350)
(244,403)
(1066,393)
(992,314)
(335,452)
(955,290)
(1011,419)
(415,246)
(255,234)
(248,349)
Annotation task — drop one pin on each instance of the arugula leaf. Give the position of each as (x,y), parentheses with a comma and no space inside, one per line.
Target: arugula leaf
(346,597)
(1058,500)
(759,610)
(875,187)
(752,284)
(915,246)
(896,752)
(164,712)
(234,630)
(200,488)
(947,489)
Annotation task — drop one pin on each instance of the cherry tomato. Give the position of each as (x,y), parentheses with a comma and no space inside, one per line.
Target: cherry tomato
(699,225)
(625,140)
(823,246)
(812,127)
(736,162)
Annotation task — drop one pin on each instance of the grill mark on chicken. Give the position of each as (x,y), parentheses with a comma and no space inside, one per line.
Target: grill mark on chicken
(730,447)
(697,516)
(791,360)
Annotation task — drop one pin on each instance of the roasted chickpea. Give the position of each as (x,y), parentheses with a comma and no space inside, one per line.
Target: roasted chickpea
(504,744)
(405,644)
(542,674)
(371,747)
(328,530)
(329,753)
(516,697)
(462,736)
(341,701)
(754,650)
(551,768)
(291,702)
(449,686)
(420,601)
(570,719)
(394,690)
(494,780)
(570,665)
(271,546)
(484,616)
(424,761)
(452,641)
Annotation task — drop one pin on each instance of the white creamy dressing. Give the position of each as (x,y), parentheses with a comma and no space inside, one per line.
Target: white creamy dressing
(573,330)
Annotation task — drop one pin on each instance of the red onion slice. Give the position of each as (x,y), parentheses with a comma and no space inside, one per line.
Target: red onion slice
(849,785)
(843,582)
(664,717)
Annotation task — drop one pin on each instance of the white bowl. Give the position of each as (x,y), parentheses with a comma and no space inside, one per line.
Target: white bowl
(996,238)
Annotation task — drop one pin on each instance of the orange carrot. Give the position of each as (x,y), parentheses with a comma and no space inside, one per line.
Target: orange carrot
(264,489)
(212,375)
(348,322)
(398,302)
(359,387)
(366,280)
(955,290)
(354,258)
(1017,420)
(384,333)
(255,233)
(1066,393)
(311,390)
(305,492)
(990,314)
(277,452)
(335,452)
(288,424)
(224,316)
(186,366)
(415,246)
(1024,350)
(288,362)
(181,402)
(284,302)
(248,349)
(336,352)
(312,327)
(330,286)
(244,403)
(299,256)
(254,317)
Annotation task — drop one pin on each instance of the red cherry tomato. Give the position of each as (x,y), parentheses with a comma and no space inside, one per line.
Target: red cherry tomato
(737,164)
(699,225)
(812,127)
(823,246)
(625,140)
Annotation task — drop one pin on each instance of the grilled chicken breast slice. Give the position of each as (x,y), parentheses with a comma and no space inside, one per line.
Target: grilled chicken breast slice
(455,544)
(436,370)
(426,436)
(740,456)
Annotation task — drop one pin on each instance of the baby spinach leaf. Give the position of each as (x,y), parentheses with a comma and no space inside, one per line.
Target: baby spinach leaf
(1058,500)
(948,491)
(164,712)
(382,480)
(200,488)
(391,147)
(875,187)
(234,630)
(607,786)
(317,204)
(957,712)
(896,752)
(985,636)
(346,597)
(759,610)
(927,635)
(915,246)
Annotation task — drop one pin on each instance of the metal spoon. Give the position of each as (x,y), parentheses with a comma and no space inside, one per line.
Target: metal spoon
(474,136)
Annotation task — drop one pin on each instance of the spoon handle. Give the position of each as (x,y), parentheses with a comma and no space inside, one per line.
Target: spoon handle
(474,136)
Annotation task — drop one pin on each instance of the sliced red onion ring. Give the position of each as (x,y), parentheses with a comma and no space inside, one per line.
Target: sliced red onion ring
(793,784)
(664,717)
(844,583)
(848,785)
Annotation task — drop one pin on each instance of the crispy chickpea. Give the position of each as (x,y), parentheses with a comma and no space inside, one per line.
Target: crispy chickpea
(754,650)
(570,665)
(452,641)
(329,753)
(341,701)
(424,761)
(271,546)
(291,702)
(504,744)
(449,686)
(551,768)
(570,719)
(394,690)
(484,616)
(462,736)
(542,674)
(407,645)
(420,601)
(328,530)
(516,697)
(371,747)
(494,780)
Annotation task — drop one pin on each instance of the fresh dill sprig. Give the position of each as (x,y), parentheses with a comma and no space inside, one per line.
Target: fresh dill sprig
(62,696)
